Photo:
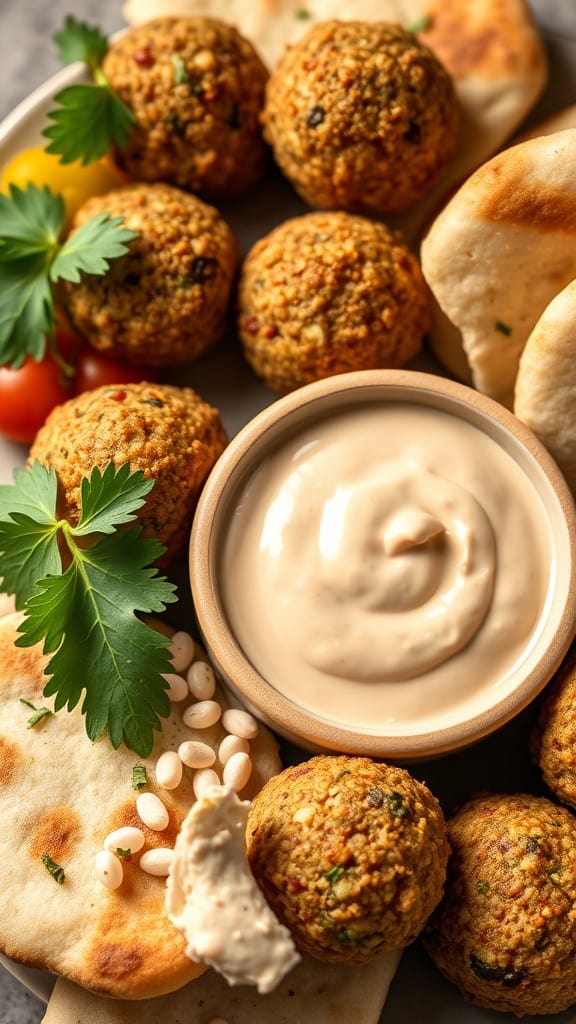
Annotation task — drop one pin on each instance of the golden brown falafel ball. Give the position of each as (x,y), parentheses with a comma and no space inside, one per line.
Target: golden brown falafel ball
(361,116)
(170,433)
(326,293)
(554,739)
(196,89)
(350,853)
(166,301)
(505,932)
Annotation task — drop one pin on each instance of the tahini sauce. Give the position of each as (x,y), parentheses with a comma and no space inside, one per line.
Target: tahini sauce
(386,565)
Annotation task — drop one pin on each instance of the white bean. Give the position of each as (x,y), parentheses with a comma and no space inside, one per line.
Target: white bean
(196,754)
(169,770)
(157,861)
(237,771)
(203,779)
(152,811)
(182,650)
(201,680)
(202,715)
(177,686)
(240,723)
(109,869)
(232,745)
(127,838)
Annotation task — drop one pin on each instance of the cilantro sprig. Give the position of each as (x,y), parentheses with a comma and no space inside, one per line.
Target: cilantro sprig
(85,613)
(88,118)
(33,259)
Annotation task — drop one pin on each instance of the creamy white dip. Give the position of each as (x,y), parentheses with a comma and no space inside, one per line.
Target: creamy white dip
(385,565)
(214,900)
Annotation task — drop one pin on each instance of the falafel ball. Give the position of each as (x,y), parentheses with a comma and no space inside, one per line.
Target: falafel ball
(361,116)
(326,293)
(350,853)
(196,89)
(554,738)
(166,301)
(505,932)
(170,433)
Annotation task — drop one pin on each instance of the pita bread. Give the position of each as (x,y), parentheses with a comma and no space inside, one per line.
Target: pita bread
(499,251)
(322,993)
(444,338)
(61,794)
(545,395)
(490,47)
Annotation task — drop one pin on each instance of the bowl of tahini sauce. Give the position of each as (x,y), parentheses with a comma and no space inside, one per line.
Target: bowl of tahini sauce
(384,563)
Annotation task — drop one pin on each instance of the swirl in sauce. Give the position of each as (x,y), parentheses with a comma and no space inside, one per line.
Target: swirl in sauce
(385,564)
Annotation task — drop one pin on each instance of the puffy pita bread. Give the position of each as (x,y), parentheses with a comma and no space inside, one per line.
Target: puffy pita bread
(545,397)
(490,47)
(501,248)
(312,992)
(61,794)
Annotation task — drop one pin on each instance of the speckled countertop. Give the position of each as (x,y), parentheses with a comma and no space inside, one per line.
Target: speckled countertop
(27,58)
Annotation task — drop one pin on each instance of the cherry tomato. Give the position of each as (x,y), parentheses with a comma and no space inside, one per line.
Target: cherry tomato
(74,182)
(93,370)
(28,394)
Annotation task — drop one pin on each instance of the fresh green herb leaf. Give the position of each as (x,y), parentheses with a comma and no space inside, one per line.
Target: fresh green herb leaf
(139,778)
(126,854)
(28,703)
(86,615)
(53,868)
(32,258)
(419,24)
(87,121)
(503,328)
(181,75)
(78,41)
(302,14)
(334,873)
(38,716)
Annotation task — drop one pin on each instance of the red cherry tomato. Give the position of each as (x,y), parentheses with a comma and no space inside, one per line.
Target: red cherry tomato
(94,370)
(28,394)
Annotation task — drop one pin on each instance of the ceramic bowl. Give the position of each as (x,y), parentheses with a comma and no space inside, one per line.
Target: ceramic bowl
(428,735)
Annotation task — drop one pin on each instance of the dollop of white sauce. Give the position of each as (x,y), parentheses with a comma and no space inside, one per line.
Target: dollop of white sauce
(214,901)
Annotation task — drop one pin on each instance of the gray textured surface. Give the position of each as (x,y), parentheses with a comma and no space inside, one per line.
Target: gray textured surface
(27,58)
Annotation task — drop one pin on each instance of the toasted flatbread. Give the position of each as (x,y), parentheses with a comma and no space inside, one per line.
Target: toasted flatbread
(312,992)
(500,250)
(61,794)
(444,337)
(490,47)
(545,397)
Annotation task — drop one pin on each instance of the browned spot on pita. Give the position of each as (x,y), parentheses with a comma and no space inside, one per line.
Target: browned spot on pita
(114,960)
(56,832)
(468,46)
(11,759)
(126,814)
(511,195)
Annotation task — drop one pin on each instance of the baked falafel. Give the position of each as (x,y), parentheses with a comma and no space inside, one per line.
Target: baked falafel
(554,738)
(361,116)
(170,433)
(326,293)
(505,932)
(196,89)
(350,853)
(166,301)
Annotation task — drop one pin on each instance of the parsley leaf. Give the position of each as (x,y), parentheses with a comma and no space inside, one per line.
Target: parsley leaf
(102,653)
(88,118)
(32,258)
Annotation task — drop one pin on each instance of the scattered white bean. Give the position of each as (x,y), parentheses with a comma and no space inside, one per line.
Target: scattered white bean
(152,811)
(169,770)
(201,680)
(240,723)
(232,745)
(202,715)
(126,838)
(109,869)
(196,754)
(157,861)
(182,650)
(177,686)
(237,771)
(203,779)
